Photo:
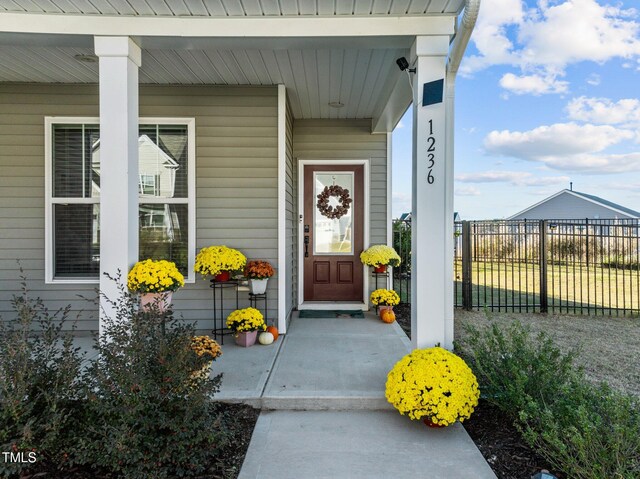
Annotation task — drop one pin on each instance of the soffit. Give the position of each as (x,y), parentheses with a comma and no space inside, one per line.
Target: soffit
(359,78)
(234,8)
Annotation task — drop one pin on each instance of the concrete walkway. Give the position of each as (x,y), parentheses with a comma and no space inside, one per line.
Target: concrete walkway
(324,414)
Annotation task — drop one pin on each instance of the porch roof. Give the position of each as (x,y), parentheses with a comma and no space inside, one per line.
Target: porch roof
(324,51)
(235,8)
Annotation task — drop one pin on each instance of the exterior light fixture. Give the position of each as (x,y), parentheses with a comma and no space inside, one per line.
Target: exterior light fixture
(544,474)
(86,58)
(336,104)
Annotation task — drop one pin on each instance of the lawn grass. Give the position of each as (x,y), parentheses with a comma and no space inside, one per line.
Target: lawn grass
(608,348)
(571,288)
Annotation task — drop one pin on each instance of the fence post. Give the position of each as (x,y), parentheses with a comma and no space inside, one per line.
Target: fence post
(544,300)
(467,300)
(586,230)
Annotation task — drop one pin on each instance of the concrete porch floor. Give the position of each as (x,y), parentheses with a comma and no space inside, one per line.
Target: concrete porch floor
(324,414)
(320,364)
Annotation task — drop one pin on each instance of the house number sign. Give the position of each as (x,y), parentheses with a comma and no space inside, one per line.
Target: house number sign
(431,154)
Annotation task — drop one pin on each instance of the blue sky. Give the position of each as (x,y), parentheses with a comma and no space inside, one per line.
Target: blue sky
(548,93)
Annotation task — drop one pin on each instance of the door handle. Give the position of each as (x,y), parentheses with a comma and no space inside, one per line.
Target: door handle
(306,246)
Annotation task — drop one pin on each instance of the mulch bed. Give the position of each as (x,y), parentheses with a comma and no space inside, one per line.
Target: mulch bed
(502,446)
(239,421)
(493,433)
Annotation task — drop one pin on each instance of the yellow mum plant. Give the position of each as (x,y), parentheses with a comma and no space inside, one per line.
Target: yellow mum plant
(385,297)
(214,260)
(433,384)
(204,346)
(379,255)
(247,319)
(151,276)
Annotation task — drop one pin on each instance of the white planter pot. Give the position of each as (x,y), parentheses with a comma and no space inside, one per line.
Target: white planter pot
(258,286)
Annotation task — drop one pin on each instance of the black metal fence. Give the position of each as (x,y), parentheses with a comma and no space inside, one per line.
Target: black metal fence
(564,266)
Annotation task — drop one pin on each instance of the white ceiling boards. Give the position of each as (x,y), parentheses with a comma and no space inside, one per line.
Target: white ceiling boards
(339,52)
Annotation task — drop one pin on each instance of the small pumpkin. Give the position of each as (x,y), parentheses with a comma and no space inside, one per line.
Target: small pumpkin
(265,338)
(388,316)
(273,330)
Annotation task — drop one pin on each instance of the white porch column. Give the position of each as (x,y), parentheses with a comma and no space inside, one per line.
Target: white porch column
(432,266)
(120,59)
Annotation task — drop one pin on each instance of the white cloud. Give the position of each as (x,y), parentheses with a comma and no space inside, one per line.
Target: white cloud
(466,191)
(631,187)
(533,84)
(490,34)
(593,79)
(516,178)
(578,30)
(551,35)
(567,146)
(594,164)
(557,139)
(605,111)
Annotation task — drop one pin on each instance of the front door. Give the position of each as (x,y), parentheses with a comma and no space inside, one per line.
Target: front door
(333,232)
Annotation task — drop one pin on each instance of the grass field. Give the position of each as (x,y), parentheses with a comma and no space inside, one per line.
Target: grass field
(570,288)
(608,348)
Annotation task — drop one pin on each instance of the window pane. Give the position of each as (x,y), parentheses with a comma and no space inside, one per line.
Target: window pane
(333,235)
(76,171)
(76,241)
(163,233)
(163,157)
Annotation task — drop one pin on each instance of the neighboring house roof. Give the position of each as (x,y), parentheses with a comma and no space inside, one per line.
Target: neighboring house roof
(615,208)
(609,204)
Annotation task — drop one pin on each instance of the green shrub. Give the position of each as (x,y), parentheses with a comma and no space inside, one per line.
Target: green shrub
(150,417)
(41,394)
(511,367)
(588,431)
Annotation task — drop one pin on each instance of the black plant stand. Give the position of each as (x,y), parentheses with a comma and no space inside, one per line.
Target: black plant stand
(219,321)
(378,277)
(254,299)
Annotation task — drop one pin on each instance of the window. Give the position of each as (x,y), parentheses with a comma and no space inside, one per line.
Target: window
(166,185)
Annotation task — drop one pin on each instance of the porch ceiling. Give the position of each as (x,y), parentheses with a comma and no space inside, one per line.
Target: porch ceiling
(323,51)
(360,78)
(234,8)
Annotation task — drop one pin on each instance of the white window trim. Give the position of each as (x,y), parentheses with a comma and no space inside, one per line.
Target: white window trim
(49,121)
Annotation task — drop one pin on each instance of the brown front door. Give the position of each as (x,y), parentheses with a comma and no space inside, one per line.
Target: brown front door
(333,232)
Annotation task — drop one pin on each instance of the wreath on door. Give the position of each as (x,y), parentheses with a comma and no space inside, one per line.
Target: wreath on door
(343,198)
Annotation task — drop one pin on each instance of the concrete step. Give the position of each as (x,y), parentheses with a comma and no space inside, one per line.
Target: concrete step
(318,402)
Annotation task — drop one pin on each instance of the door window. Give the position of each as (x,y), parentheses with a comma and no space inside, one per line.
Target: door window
(333,218)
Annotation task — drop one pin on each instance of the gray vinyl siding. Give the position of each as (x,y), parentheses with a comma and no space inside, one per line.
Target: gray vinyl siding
(291,225)
(236,182)
(350,139)
(570,207)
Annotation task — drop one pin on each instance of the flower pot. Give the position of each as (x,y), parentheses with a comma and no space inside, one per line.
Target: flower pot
(246,338)
(383,308)
(381,268)
(258,286)
(223,276)
(428,422)
(161,300)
